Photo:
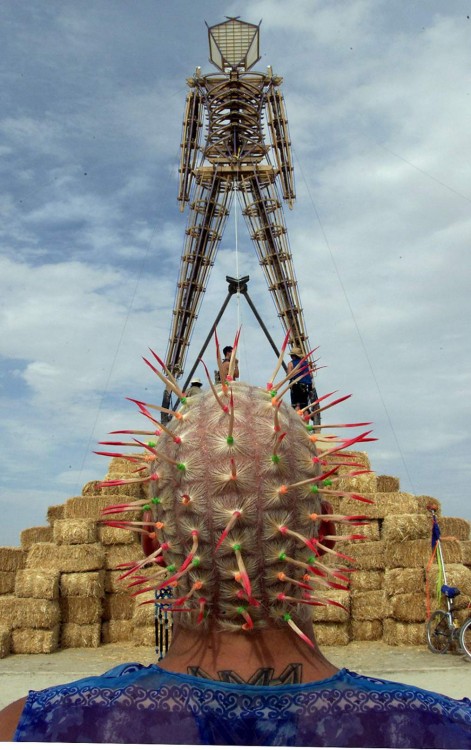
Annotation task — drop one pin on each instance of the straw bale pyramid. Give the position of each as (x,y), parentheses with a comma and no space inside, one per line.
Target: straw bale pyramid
(61,588)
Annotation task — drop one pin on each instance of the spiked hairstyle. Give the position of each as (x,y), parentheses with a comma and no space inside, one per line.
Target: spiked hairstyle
(234,504)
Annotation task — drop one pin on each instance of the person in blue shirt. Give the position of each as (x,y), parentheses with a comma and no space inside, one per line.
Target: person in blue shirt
(301,388)
(237,526)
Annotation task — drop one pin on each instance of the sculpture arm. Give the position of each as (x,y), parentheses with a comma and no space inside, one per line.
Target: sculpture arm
(281,144)
(191,135)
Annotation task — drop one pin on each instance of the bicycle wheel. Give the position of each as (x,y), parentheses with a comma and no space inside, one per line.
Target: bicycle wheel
(439,634)
(465,637)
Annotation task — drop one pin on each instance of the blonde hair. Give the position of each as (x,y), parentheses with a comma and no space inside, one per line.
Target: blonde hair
(233,491)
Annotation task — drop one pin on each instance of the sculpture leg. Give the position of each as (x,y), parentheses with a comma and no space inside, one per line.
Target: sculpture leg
(208,214)
(265,220)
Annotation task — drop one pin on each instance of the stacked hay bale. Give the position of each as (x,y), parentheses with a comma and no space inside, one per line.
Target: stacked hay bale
(11,560)
(108,611)
(387,596)
(63,587)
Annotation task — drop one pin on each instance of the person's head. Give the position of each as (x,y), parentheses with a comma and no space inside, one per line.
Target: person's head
(234,511)
(197,382)
(296,352)
(227,351)
(234,501)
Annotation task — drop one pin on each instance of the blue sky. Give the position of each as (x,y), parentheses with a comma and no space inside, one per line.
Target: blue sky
(378,96)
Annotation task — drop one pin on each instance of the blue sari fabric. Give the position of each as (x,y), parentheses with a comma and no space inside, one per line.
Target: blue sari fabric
(136,704)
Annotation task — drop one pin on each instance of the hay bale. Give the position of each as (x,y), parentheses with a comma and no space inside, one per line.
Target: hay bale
(365,483)
(461,616)
(36,534)
(407,607)
(110,535)
(113,584)
(80,636)
(91,507)
(118,607)
(5,642)
(29,613)
(92,488)
(403,633)
(404,581)
(367,555)
(370,531)
(35,641)
(330,612)
(424,502)
(7,582)
(366,580)
(55,513)
(83,584)
(357,457)
(11,559)
(132,491)
(466,552)
(367,630)
(405,527)
(116,631)
(387,484)
(457,528)
(37,584)
(385,504)
(368,605)
(144,614)
(81,610)
(416,554)
(8,610)
(144,636)
(122,553)
(332,634)
(122,466)
(67,558)
(75,531)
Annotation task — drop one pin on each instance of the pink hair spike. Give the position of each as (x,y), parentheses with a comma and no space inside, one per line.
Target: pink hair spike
(231,416)
(166,369)
(295,371)
(108,454)
(293,626)
(136,432)
(242,574)
(219,361)
(202,604)
(233,469)
(333,403)
(279,361)
(224,407)
(170,384)
(232,361)
(235,516)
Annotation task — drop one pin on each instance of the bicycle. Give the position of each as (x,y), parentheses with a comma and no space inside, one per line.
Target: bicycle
(442,629)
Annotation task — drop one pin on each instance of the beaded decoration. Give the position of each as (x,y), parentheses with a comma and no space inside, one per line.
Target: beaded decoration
(235,484)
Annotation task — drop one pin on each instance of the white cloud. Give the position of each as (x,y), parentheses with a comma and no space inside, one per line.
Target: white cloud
(377,102)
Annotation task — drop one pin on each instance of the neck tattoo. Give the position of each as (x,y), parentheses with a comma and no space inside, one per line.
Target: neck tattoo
(291,675)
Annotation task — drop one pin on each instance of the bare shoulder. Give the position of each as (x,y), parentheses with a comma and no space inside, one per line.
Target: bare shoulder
(9,718)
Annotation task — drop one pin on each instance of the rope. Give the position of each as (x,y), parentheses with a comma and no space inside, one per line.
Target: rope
(236,233)
(115,357)
(362,342)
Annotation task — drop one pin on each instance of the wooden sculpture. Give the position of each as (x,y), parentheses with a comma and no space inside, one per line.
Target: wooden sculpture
(231,108)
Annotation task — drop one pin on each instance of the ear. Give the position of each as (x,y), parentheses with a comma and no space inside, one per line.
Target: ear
(326,528)
(149,543)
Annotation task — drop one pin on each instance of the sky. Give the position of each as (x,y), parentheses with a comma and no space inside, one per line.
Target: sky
(378,97)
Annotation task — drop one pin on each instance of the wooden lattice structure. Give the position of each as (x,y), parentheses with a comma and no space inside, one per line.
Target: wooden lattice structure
(233,108)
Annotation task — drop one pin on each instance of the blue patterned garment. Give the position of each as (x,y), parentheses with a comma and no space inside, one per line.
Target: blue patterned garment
(136,704)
